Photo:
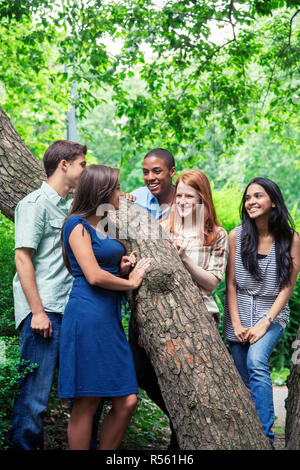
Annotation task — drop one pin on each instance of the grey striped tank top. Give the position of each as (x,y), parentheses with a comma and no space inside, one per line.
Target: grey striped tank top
(255,298)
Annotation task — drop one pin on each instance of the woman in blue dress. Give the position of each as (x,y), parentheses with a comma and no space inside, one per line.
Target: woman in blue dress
(95,357)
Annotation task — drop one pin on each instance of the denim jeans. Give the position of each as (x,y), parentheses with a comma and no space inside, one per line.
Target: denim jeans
(252,362)
(34,389)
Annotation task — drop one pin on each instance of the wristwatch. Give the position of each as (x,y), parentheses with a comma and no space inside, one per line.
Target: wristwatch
(269,318)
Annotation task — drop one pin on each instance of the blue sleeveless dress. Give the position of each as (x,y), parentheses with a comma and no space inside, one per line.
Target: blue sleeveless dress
(95,357)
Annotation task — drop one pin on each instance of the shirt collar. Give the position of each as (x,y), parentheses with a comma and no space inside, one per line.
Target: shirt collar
(52,194)
(152,197)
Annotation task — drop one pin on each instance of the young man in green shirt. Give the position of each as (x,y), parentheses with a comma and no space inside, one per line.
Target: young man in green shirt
(41,286)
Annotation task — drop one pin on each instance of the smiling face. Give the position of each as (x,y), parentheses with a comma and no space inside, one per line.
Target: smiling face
(257,202)
(157,176)
(186,200)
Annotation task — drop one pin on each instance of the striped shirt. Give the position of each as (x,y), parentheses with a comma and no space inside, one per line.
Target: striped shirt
(255,298)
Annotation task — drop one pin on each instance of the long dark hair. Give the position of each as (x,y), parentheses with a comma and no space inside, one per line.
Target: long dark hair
(95,186)
(281,227)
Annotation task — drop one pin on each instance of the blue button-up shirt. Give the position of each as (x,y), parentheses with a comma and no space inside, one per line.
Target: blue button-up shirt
(146,199)
(38,220)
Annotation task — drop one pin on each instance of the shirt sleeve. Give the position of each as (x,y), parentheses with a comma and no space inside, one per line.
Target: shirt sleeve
(219,255)
(29,224)
(71,223)
(141,195)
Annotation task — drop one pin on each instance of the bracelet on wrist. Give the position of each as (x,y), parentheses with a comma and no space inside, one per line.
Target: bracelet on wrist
(270,319)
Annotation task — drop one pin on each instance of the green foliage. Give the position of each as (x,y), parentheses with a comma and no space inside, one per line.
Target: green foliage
(191,79)
(7,270)
(11,370)
(279,377)
(192,83)
(260,156)
(227,202)
(30,87)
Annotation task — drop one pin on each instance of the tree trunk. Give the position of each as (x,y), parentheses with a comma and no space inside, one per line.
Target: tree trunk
(20,171)
(292,403)
(208,403)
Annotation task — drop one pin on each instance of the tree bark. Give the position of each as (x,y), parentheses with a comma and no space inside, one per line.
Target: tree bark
(208,403)
(292,403)
(20,171)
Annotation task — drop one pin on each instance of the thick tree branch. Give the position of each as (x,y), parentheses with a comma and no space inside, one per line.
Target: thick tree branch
(20,171)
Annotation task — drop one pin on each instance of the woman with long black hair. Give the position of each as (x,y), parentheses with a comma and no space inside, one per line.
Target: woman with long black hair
(263,265)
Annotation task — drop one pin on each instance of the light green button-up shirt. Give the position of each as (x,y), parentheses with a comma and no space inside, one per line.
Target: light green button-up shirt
(38,220)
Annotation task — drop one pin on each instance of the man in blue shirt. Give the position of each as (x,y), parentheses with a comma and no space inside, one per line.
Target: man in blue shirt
(156,196)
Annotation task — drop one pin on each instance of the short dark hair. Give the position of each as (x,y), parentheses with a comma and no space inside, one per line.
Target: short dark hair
(164,155)
(61,150)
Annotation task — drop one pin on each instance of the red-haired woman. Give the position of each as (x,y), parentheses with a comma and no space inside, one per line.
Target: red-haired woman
(194,229)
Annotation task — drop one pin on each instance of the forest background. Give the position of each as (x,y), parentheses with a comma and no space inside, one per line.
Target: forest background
(215,82)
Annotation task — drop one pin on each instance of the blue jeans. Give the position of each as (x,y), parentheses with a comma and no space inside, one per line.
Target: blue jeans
(34,389)
(252,362)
